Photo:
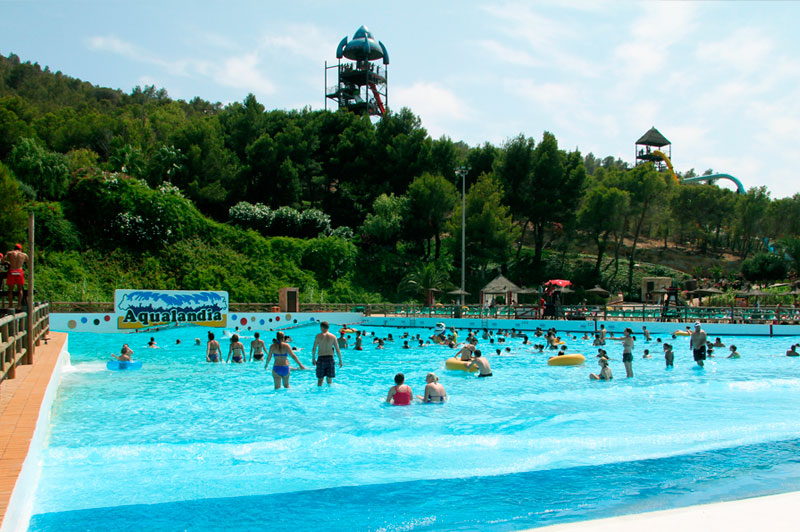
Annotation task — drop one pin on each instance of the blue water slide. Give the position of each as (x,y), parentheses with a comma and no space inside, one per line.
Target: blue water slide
(713,177)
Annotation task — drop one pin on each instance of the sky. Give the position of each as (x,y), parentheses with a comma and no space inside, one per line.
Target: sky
(720,80)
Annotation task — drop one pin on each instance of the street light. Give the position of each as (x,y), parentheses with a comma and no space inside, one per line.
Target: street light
(462,172)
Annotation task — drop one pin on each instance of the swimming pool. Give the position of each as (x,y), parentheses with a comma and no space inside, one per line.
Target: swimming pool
(186,445)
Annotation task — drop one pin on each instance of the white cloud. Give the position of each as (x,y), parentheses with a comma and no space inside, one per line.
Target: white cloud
(546,37)
(508,54)
(547,94)
(304,40)
(660,26)
(745,49)
(435,104)
(242,71)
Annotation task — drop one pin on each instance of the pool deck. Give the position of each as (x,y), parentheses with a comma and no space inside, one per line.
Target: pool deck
(20,402)
(775,513)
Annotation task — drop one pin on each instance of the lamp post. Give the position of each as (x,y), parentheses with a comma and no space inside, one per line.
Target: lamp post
(463,171)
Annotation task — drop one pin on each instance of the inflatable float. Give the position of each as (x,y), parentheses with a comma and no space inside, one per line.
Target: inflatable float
(457,364)
(682,333)
(570,359)
(347,331)
(121,365)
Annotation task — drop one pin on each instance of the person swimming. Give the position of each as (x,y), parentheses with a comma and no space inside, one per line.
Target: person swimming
(281,351)
(236,350)
(734,352)
(212,349)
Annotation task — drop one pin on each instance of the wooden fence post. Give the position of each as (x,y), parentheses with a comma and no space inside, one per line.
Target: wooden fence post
(31,305)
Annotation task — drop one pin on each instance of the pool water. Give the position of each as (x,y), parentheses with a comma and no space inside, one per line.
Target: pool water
(185,445)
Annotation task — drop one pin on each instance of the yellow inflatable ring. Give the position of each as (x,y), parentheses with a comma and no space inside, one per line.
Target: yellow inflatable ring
(347,330)
(457,364)
(571,359)
(682,333)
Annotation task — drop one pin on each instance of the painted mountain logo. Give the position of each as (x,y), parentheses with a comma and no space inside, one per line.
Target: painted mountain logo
(147,308)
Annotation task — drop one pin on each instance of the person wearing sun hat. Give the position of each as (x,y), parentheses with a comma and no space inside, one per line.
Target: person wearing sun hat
(698,344)
(16,276)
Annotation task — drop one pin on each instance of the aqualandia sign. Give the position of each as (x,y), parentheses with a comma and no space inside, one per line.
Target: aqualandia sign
(146,308)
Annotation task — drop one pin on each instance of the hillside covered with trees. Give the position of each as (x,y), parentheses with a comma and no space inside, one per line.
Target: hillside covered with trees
(140,190)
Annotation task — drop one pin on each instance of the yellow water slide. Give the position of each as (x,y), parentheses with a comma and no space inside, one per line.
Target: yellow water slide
(663,156)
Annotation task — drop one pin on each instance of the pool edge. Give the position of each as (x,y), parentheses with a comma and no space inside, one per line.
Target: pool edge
(26,419)
(770,512)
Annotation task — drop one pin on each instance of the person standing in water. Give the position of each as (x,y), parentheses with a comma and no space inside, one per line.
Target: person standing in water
(325,344)
(698,344)
(212,349)
(236,350)
(359,341)
(281,351)
(257,348)
(669,356)
(484,369)
(627,350)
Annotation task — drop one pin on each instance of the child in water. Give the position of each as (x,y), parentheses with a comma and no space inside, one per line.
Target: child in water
(734,353)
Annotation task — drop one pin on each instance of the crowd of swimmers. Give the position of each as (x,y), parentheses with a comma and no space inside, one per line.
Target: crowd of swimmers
(327,347)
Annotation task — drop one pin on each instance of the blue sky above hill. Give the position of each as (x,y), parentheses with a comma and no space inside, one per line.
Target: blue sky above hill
(720,80)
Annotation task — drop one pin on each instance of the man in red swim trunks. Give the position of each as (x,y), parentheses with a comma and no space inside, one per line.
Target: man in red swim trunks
(16,277)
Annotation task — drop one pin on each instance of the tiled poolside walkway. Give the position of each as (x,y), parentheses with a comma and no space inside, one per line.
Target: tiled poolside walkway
(20,401)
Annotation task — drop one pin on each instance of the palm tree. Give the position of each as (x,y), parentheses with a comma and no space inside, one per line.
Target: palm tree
(423,279)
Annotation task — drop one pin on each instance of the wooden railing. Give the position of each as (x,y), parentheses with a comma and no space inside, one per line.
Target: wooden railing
(16,346)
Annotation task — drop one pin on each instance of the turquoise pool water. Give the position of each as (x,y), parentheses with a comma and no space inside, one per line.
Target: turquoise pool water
(185,445)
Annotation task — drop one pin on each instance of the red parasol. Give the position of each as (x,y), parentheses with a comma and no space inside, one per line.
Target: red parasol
(558,282)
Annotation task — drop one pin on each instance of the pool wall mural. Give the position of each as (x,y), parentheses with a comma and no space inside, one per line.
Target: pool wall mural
(136,309)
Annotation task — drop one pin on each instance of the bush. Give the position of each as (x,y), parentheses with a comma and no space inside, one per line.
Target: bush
(329,258)
(764,267)
(123,211)
(45,171)
(53,231)
(285,221)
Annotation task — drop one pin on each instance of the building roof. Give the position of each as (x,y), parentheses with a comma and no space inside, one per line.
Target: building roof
(500,285)
(653,137)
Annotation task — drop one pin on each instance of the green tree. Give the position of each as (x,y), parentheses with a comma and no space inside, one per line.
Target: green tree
(644,185)
(431,199)
(601,214)
(764,267)
(385,223)
(423,278)
(751,209)
(12,213)
(490,233)
(43,170)
(556,190)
